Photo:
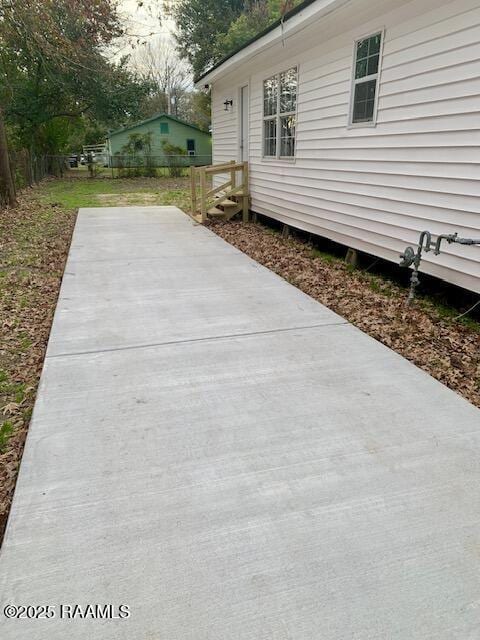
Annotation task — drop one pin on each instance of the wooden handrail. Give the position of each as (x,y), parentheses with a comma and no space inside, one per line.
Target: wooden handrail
(222,168)
(227,195)
(212,192)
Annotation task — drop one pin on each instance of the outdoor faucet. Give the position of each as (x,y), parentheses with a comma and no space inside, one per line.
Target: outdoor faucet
(409,257)
(449,238)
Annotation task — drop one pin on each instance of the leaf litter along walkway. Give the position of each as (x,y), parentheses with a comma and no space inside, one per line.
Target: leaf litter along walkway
(424,334)
(34,242)
(233,460)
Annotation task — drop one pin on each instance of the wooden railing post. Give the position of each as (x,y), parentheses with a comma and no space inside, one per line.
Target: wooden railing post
(233,175)
(246,192)
(193,189)
(203,194)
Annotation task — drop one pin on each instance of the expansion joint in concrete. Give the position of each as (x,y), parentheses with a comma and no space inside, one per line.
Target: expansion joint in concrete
(170,343)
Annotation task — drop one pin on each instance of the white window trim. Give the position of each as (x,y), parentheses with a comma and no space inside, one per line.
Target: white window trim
(374,76)
(278,116)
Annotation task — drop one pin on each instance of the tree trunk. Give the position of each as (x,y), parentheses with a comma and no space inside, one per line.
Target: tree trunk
(7,187)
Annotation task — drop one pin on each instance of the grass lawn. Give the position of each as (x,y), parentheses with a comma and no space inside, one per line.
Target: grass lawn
(105,191)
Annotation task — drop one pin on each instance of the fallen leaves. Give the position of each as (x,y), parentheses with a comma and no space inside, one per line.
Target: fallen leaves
(447,350)
(11,408)
(34,242)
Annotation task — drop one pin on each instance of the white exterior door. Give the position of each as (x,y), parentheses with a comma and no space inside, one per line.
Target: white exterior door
(244,124)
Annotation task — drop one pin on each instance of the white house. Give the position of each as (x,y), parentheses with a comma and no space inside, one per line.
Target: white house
(361,123)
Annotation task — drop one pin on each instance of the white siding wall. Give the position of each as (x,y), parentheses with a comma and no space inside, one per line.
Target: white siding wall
(376,188)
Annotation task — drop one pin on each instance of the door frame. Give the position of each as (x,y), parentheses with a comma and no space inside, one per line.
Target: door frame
(240,151)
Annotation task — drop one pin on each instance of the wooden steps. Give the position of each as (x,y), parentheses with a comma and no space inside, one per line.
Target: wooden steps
(215,212)
(225,200)
(225,209)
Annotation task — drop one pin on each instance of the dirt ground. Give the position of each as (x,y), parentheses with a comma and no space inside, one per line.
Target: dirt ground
(426,334)
(34,245)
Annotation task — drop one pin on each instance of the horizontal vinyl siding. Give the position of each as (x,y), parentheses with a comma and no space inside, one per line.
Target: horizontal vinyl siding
(377,188)
(224,125)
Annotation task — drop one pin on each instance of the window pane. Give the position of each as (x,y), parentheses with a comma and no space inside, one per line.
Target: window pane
(288,90)
(361,69)
(373,65)
(287,136)
(270,137)
(361,91)
(288,126)
(371,88)
(270,96)
(364,101)
(374,44)
(368,56)
(359,111)
(362,49)
(287,149)
(370,105)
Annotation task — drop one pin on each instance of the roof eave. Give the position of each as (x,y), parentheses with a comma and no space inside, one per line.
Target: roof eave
(278,31)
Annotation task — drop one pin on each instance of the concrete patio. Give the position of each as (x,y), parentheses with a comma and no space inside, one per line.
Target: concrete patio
(232,460)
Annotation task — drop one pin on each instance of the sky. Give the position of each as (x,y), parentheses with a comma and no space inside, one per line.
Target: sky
(145,24)
(144,20)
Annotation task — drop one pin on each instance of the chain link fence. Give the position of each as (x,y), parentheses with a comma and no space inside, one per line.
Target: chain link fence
(152,166)
(28,168)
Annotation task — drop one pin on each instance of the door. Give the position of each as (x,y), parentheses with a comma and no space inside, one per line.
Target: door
(244,124)
(191,147)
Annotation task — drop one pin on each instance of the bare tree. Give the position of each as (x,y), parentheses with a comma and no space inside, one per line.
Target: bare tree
(157,62)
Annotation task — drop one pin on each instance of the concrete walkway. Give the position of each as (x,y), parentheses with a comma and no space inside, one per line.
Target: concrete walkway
(232,460)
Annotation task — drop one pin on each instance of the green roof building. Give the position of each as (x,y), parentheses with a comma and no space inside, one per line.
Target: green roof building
(163,128)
